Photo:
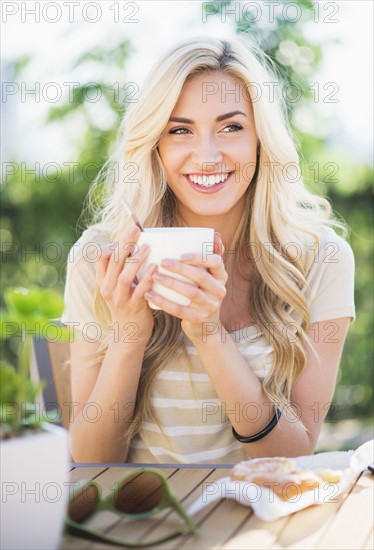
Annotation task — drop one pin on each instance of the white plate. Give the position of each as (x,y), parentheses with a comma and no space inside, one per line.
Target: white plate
(268,507)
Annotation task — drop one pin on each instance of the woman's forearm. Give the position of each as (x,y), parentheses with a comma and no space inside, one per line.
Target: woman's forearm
(245,403)
(98,433)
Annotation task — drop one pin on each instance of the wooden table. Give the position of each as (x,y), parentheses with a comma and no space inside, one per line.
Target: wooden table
(347,523)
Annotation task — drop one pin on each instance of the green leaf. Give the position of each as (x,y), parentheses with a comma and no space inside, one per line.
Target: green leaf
(34,303)
(9,384)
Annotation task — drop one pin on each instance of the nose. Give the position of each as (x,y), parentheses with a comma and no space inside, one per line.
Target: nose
(206,151)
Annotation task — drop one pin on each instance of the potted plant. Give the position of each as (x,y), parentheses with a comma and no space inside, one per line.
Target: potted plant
(34,453)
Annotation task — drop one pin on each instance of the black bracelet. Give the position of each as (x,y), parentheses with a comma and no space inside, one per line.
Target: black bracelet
(260,435)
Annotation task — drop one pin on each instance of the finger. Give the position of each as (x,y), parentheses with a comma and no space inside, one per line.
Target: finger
(102,265)
(207,301)
(191,268)
(145,283)
(182,312)
(132,265)
(218,246)
(121,252)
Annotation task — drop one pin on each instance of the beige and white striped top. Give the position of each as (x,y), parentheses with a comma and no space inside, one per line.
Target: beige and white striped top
(195,426)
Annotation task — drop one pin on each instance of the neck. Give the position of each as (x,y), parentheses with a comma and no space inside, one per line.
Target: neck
(224,224)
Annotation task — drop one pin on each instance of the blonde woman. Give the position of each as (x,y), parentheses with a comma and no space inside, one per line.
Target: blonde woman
(249,368)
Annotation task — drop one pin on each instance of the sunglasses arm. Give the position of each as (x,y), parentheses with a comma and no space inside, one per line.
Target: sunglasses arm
(77,530)
(183,514)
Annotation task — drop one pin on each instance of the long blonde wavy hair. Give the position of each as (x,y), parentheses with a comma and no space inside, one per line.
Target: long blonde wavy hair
(281,219)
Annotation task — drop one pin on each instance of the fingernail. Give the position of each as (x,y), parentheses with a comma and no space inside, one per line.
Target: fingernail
(168,262)
(158,276)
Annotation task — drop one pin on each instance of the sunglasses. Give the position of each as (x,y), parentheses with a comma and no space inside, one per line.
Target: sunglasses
(138,494)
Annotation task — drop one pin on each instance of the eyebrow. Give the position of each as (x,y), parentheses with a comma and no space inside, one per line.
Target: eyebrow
(218,119)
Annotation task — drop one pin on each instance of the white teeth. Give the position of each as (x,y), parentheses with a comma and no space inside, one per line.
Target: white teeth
(208,181)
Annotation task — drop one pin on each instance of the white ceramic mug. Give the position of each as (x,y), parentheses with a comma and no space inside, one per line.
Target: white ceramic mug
(172,242)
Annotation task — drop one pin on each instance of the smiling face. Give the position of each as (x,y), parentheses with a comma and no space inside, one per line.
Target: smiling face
(208,148)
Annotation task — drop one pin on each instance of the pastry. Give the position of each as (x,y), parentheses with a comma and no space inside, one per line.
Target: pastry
(281,475)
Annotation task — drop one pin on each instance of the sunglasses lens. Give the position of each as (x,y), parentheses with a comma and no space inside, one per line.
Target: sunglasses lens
(140,493)
(83,503)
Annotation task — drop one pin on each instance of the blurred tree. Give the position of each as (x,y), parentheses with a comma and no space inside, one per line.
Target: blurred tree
(40,211)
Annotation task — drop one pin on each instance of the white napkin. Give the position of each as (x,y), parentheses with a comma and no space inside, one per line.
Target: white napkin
(268,507)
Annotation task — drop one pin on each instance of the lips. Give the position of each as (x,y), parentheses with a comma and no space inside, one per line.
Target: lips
(208,183)
(208,180)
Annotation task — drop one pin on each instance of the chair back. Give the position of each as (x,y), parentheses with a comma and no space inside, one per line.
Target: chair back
(49,363)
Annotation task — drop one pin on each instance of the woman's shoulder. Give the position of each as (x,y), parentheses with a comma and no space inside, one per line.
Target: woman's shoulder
(331,251)
(331,278)
(328,234)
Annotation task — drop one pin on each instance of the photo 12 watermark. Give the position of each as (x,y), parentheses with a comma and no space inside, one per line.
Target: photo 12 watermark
(70,12)
(53,92)
(129,172)
(268,12)
(291,92)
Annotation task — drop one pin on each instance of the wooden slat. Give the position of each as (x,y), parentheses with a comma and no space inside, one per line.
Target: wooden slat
(355,512)
(93,472)
(256,534)
(220,525)
(305,528)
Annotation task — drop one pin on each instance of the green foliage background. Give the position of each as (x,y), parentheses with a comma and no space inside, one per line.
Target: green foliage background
(40,211)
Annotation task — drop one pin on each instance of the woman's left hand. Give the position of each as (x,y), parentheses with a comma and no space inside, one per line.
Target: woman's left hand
(206,298)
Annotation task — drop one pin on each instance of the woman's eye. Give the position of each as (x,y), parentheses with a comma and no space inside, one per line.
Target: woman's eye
(227,129)
(178,131)
(232,128)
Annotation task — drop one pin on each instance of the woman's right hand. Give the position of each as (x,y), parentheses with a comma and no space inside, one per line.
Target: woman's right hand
(116,276)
